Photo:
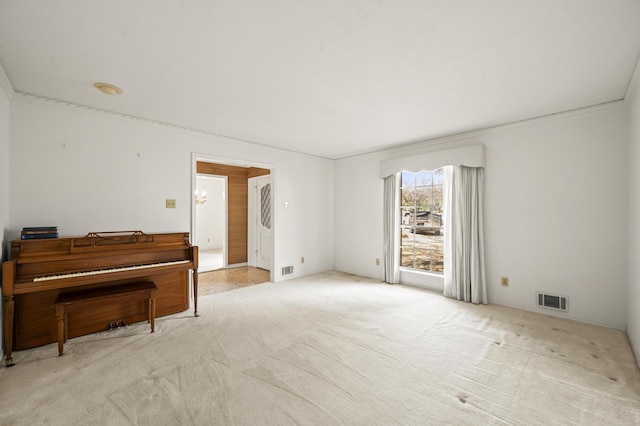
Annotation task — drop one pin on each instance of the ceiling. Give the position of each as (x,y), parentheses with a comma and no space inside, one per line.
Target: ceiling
(330,78)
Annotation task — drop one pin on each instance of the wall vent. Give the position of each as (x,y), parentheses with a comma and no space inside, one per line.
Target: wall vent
(552,301)
(287,270)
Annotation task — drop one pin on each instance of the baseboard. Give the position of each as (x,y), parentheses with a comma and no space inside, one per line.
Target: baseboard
(565,315)
(237,265)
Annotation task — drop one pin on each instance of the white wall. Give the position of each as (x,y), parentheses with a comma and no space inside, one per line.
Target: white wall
(633,297)
(308,218)
(358,222)
(89,171)
(4,185)
(555,212)
(210,216)
(4,168)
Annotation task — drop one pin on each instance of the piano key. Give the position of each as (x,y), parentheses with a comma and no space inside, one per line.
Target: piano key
(107,271)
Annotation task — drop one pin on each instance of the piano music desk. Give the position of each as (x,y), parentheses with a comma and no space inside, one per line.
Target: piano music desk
(113,294)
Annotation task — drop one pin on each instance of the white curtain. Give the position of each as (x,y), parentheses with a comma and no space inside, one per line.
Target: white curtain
(464,270)
(391,217)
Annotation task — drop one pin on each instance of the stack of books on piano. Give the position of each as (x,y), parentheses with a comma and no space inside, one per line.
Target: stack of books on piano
(38,232)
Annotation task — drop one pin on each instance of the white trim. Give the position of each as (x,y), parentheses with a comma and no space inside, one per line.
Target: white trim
(429,142)
(474,134)
(559,314)
(238,265)
(422,279)
(68,105)
(229,161)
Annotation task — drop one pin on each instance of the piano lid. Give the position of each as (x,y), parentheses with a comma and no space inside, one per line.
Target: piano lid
(97,242)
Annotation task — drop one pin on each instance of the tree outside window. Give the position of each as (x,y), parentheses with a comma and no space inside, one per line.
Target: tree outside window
(422,245)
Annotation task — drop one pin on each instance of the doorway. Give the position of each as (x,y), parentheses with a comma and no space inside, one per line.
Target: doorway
(211,221)
(235,267)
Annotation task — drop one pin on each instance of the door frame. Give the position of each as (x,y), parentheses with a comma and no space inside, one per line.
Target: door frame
(208,158)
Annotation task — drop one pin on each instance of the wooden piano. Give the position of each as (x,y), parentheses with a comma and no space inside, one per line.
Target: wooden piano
(42,269)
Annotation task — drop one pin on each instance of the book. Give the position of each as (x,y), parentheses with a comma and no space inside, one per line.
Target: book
(36,232)
(39,232)
(39,228)
(38,236)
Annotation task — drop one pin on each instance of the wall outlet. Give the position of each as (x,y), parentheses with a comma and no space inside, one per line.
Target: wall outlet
(302,259)
(171,204)
(505,281)
(377,262)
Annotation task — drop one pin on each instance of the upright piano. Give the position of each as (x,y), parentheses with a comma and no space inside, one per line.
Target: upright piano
(39,270)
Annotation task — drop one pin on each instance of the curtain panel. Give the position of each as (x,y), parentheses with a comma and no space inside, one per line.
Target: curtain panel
(462,266)
(391,217)
(464,263)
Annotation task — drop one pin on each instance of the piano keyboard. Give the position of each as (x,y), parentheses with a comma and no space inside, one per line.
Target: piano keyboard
(108,271)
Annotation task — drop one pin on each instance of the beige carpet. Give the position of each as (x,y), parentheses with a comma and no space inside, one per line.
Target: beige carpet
(331,349)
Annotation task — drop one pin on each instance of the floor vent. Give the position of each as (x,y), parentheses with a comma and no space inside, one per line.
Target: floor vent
(551,301)
(287,270)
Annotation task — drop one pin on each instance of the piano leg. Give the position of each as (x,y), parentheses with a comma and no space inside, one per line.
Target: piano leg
(195,292)
(61,328)
(152,309)
(9,303)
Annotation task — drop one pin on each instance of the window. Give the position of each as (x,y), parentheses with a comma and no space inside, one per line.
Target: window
(422,245)
(265,206)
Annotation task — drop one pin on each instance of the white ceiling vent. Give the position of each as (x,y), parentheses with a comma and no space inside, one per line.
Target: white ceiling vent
(553,301)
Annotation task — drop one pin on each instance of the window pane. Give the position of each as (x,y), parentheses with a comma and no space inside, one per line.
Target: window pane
(406,257)
(408,197)
(407,237)
(423,259)
(422,245)
(424,179)
(429,259)
(420,195)
(436,200)
(438,177)
(408,179)
(407,217)
(265,206)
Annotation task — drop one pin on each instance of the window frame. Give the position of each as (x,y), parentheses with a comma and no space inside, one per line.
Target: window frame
(424,185)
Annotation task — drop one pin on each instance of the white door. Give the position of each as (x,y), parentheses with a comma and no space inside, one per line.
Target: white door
(260,241)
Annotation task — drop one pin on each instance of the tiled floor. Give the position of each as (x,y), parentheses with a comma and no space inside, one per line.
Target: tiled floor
(230,279)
